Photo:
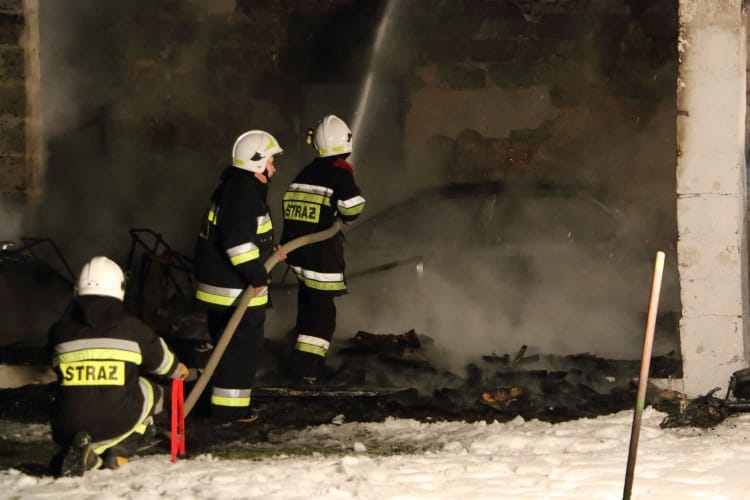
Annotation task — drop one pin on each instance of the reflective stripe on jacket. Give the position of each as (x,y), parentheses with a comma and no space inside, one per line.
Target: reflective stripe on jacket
(227,296)
(322,192)
(235,239)
(99,353)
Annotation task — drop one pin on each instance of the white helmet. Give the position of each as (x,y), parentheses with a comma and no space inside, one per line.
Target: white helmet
(253,148)
(332,136)
(101,276)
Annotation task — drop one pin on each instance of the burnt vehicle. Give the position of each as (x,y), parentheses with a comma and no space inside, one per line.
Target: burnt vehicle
(490,266)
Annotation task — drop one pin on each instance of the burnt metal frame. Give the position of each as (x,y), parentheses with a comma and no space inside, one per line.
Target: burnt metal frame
(159,252)
(30,242)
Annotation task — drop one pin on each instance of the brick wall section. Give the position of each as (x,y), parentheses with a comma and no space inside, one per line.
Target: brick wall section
(190,77)
(186,77)
(14,178)
(588,55)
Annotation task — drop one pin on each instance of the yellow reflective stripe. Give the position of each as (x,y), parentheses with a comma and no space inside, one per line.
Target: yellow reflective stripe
(335,149)
(353,210)
(271,143)
(320,281)
(90,373)
(263,223)
(325,286)
(230,397)
(245,257)
(166,361)
(148,397)
(311,349)
(312,340)
(97,354)
(212,219)
(222,300)
(148,402)
(243,252)
(265,227)
(308,197)
(234,402)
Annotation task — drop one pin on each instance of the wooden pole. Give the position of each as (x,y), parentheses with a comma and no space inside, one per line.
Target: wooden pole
(640,403)
(242,303)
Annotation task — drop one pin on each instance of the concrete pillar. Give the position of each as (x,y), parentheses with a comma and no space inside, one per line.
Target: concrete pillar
(711,192)
(35,158)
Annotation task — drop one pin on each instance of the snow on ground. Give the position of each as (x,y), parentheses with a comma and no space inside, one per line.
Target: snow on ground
(406,459)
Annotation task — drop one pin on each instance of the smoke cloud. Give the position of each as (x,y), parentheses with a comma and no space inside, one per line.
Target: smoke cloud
(143,143)
(11,222)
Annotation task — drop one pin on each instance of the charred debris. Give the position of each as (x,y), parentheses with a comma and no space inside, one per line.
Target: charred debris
(375,375)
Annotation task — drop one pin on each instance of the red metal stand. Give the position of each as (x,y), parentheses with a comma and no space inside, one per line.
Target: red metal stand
(178,419)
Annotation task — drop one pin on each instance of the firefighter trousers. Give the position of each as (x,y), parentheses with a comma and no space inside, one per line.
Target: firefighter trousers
(316,323)
(235,374)
(125,444)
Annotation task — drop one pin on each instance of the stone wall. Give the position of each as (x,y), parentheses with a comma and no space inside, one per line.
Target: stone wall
(146,98)
(577,91)
(567,82)
(15,180)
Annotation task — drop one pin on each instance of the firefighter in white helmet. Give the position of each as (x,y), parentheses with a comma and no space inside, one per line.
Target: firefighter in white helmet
(322,192)
(234,241)
(104,405)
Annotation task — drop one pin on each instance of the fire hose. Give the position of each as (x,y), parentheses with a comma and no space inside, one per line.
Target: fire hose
(242,304)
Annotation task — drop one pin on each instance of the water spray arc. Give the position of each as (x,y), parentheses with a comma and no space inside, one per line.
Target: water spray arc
(364,96)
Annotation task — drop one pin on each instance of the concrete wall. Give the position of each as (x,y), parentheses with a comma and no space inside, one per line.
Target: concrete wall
(21,177)
(711,187)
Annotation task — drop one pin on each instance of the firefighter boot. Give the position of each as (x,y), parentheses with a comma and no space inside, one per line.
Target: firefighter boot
(79,456)
(308,368)
(250,416)
(118,455)
(223,416)
(114,458)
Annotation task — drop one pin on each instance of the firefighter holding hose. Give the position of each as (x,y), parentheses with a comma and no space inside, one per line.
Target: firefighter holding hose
(323,191)
(235,239)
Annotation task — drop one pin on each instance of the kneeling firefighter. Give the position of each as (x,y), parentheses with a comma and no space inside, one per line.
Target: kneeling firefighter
(104,405)
(323,191)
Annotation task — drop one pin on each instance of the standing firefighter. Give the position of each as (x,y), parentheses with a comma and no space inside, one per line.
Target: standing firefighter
(321,192)
(235,239)
(104,408)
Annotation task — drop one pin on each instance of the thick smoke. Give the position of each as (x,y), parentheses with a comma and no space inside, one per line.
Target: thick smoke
(560,298)
(128,146)
(11,220)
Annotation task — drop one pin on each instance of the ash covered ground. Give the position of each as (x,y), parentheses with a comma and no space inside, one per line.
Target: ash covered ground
(374,377)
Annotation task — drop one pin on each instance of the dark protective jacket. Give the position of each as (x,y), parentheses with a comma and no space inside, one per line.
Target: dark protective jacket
(99,353)
(235,239)
(321,192)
